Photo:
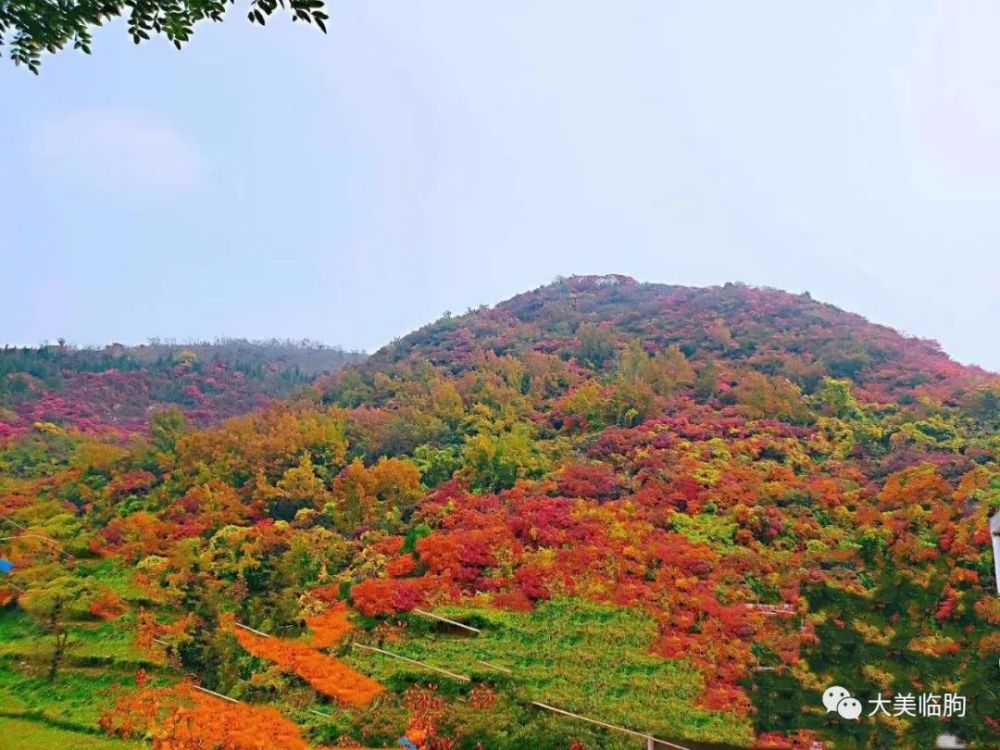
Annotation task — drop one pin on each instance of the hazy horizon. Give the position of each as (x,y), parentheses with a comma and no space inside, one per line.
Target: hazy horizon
(425,157)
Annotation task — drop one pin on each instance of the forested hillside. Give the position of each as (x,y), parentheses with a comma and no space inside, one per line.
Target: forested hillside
(117,388)
(686,512)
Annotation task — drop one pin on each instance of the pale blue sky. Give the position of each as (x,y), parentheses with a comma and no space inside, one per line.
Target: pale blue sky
(431,156)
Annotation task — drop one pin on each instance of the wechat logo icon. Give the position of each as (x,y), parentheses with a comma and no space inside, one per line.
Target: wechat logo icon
(839,699)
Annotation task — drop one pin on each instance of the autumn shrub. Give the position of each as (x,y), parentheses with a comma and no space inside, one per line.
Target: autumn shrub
(325,674)
(329,627)
(384,596)
(182,718)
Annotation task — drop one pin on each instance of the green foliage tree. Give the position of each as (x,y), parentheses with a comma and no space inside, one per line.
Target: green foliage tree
(595,346)
(706,382)
(436,465)
(300,483)
(761,397)
(30,27)
(51,604)
(836,399)
(665,372)
(165,428)
(983,403)
(496,462)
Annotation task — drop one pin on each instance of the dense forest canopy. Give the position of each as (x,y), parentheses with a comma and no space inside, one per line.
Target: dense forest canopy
(682,511)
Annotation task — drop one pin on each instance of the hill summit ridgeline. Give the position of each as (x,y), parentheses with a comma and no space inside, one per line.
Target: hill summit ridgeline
(769,330)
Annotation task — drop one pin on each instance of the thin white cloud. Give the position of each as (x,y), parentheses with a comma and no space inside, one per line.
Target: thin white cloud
(117,150)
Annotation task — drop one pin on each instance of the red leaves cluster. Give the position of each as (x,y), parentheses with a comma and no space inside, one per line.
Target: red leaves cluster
(130,482)
(401,566)
(376,596)
(108,606)
(597,481)
(427,712)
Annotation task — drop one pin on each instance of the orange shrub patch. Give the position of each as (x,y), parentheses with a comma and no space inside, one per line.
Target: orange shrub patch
(326,675)
(182,718)
(330,626)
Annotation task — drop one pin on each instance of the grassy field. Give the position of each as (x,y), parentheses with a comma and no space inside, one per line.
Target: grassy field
(581,657)
(26,734)
(76,697)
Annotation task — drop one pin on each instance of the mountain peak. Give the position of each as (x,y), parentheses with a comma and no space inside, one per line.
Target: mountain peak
(771,331)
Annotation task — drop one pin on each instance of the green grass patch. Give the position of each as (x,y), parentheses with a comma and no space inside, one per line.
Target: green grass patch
(586,658)
(16,624)
(97,642)
(115,574)
(28,734)
(77,697)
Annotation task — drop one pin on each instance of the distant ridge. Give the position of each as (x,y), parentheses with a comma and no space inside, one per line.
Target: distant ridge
(118,387)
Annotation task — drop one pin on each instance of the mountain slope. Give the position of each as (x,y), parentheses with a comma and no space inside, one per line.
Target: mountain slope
(683,511)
